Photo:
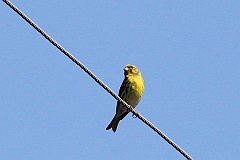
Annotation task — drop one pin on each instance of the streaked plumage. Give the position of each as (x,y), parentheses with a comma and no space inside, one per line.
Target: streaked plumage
(130,91)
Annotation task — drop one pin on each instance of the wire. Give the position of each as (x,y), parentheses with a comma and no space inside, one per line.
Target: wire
(97,79)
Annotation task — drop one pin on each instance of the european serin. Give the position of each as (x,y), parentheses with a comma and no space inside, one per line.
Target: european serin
(130,91)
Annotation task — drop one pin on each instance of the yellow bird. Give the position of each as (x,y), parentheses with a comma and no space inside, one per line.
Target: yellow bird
(130,91)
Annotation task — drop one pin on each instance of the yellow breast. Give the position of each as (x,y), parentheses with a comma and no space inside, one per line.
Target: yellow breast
(137,86)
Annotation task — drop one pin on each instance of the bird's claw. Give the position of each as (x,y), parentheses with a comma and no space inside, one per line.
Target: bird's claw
(135,115)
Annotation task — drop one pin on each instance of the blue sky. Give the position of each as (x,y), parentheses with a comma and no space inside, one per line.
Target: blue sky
(187,51)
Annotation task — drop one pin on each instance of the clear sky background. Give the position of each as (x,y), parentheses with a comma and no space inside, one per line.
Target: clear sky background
(187,51)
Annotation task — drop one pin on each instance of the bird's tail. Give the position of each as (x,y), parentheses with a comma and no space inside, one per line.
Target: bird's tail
(113,124)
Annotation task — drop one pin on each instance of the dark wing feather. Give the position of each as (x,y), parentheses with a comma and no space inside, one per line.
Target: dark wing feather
(122,92)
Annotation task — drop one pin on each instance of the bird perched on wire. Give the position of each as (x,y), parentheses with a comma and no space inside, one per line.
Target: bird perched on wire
(130,91)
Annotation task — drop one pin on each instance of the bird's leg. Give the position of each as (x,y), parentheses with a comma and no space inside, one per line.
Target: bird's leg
(129,109)
(135,115)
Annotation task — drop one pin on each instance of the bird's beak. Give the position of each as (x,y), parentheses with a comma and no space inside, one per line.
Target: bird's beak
(125,69)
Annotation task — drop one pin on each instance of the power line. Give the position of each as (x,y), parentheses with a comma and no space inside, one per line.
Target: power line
(20,13)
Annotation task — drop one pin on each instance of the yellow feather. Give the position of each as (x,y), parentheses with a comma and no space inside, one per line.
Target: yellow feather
(136,85)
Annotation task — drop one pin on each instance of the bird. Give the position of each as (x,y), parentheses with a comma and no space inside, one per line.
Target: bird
(131,91)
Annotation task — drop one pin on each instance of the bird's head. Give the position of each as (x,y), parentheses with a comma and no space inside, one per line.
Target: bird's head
(131,69)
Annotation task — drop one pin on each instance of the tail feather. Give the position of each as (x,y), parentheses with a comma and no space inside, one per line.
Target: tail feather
(113,124)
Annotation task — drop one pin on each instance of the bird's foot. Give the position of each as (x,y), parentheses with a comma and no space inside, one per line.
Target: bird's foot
(135,115)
